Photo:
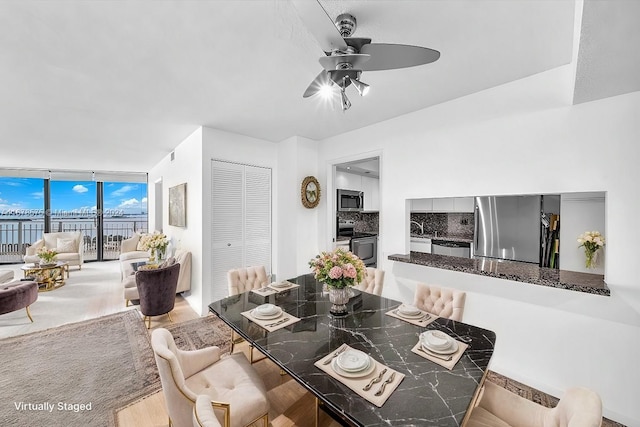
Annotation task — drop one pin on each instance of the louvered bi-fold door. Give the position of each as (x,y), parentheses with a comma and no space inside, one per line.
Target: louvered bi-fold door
(241,220)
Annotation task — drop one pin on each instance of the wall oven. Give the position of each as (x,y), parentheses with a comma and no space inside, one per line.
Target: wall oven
(365,247)
(350,201)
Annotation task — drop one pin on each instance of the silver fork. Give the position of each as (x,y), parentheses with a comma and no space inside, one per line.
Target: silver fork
(384,384)
(279,322)
(334,355)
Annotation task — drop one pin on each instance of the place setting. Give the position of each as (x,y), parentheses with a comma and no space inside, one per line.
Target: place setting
(440,348)
(361,373)
(412,314)
(274,288)
(270,317)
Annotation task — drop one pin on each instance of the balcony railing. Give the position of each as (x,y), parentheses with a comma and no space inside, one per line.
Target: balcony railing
(17,235)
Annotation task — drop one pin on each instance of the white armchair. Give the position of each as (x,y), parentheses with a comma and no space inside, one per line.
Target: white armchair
(241,280)
(498,407)
(131,252)
(68,244)
(235,389)
(204,414)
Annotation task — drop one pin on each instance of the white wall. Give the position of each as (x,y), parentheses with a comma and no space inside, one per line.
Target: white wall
(523,138)
(298,236)
(184,168)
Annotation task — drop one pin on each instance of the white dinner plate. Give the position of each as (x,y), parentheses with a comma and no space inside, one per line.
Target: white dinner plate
(452,349)
(409,310)
(283,284)
(342,373)
(436,340)
(353,361)
(267,309)
(266,317)
(410,316)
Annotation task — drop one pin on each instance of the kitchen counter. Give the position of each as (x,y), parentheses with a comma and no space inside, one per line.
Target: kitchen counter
(445,237)
(511,270)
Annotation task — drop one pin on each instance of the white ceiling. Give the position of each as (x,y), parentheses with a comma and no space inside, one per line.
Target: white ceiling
(115,85)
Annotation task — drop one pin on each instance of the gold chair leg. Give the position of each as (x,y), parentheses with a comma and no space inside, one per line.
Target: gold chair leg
(317,413)
(147,320)
(170,319)
(126,303)
(29,314)
(266,420)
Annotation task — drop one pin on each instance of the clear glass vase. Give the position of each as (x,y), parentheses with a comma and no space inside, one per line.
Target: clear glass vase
(339,297)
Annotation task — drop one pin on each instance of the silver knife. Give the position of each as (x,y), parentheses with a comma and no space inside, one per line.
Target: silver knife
(384,384)
(375,380)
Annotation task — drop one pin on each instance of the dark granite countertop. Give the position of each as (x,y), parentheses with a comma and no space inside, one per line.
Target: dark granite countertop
(445,237)
(511,270)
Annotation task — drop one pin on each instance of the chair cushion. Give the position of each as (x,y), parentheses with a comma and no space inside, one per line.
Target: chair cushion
(232,379)
(66,245)
(134,255)
(480,417)
(16,295)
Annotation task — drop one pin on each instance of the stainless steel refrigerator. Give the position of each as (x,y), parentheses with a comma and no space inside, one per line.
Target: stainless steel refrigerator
(508,227)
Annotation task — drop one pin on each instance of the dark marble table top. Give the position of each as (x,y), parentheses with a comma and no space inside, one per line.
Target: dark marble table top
(511,270)
(429,394)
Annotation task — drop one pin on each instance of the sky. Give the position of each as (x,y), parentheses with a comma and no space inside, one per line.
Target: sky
(27,194)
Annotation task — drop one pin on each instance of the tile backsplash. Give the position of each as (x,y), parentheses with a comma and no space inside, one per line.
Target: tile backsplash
(452,224)
(365,222)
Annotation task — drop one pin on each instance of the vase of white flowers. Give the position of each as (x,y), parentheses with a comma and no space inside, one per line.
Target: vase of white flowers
(592,241)
(339,270)
(156,243)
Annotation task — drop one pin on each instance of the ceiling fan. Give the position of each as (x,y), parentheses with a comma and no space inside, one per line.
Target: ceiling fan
(347,57)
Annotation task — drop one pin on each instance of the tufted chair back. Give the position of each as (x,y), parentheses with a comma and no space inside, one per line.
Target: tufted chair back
(244,279)
(443,302)
(372,281)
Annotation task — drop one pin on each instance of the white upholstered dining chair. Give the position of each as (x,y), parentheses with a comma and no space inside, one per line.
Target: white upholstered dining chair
(242,280)
(233,387)
(372,282)
(443,302)
(498,407)
(204,414)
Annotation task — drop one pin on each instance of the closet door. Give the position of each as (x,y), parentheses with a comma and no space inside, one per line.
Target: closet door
(241,220)
(257,218)
(227,183)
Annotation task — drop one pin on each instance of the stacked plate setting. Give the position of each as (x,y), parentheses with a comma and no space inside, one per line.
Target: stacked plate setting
(283,284)
(266,312)
(409,311)
(438,342)
(353,363)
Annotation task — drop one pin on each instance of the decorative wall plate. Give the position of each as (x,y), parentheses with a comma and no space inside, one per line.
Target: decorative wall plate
(310,192)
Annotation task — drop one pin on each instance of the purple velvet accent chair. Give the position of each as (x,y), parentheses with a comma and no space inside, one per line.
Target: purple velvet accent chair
(157,291)
(16,295)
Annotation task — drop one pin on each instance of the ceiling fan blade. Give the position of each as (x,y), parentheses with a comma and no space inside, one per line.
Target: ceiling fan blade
(385,56)
(321,80)
(320,25)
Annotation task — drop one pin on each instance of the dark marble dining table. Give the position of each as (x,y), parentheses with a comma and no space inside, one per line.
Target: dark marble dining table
(429,395)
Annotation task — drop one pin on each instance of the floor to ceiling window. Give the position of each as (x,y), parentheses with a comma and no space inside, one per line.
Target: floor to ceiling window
(105,207)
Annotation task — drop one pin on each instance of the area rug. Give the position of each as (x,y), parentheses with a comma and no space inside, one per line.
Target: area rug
(76,374)
(203,332)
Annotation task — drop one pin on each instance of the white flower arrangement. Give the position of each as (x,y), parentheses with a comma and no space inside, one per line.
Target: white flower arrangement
(155,242)
(591,241)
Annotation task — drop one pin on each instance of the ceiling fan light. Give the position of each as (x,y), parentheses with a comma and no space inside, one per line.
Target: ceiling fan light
(346,104)
(326,91)
(361,87)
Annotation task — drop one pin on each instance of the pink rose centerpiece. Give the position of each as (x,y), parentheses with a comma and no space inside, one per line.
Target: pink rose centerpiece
(339,270)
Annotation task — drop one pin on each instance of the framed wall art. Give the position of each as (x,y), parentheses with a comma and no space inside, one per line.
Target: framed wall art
(178,205)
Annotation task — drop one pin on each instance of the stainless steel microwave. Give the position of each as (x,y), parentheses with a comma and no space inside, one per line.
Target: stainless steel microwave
(350,201)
